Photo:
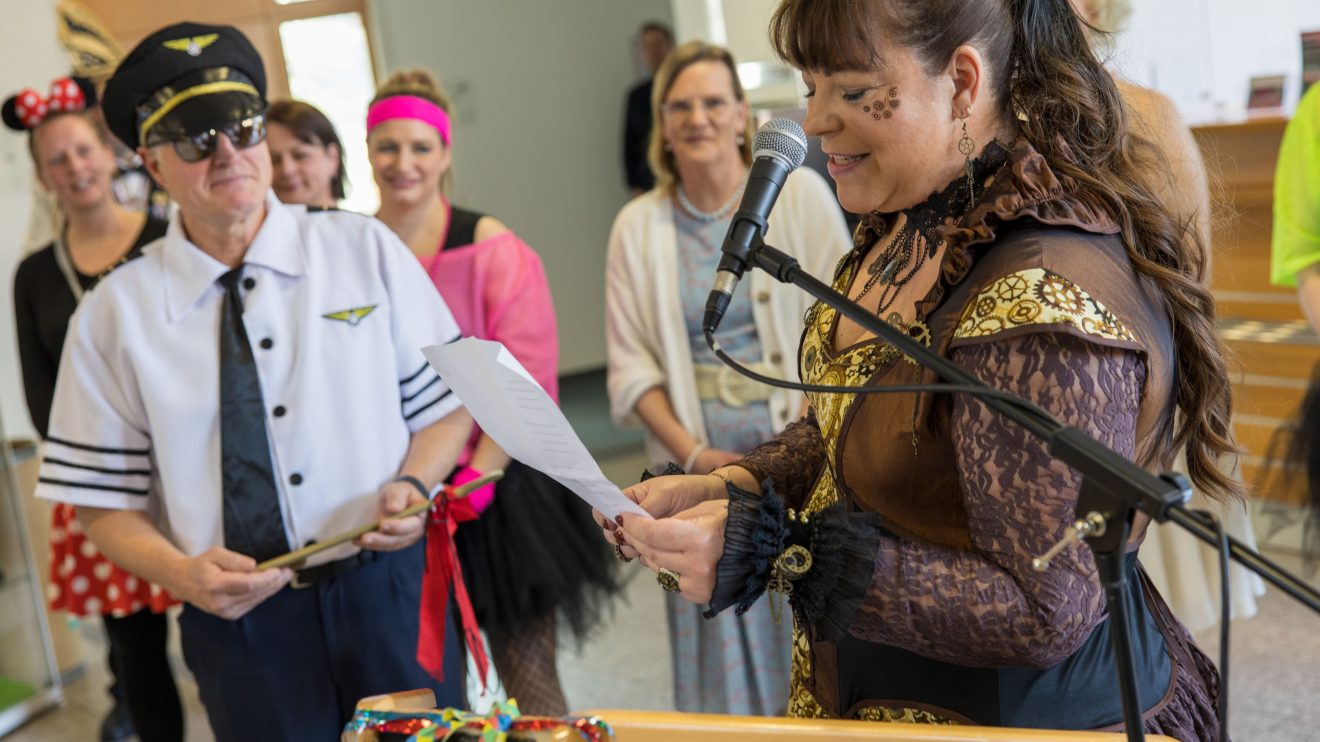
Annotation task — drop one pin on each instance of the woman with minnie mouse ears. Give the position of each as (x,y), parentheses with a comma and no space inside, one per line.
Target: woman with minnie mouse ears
(76,165)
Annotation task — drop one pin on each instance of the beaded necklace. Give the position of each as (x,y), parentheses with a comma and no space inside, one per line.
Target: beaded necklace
(925,218)
(709,216)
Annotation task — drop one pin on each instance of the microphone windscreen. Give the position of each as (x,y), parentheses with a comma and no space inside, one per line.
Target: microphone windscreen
(782,139)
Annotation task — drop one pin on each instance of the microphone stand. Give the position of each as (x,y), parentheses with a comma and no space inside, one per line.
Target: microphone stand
(1113,488)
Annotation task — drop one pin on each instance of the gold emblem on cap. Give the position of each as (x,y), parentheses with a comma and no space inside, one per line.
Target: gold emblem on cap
(192,46)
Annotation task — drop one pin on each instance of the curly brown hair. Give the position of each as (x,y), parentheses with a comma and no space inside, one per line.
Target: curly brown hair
(1067,105)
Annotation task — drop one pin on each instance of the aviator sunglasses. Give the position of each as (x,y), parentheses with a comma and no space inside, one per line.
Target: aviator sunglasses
(243,134)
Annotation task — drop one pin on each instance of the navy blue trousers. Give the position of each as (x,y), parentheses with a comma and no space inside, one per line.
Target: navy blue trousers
(295,666)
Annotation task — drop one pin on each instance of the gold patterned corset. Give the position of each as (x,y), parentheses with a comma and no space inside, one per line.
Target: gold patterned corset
(852,367)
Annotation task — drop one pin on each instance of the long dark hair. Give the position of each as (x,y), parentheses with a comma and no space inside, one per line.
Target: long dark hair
(1067,106)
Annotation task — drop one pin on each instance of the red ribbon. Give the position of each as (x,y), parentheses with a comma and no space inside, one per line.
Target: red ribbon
(442,568)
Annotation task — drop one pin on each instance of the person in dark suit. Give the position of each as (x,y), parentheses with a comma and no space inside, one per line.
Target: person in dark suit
(655,40)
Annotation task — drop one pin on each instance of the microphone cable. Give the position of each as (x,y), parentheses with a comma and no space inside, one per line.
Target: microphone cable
(986,392)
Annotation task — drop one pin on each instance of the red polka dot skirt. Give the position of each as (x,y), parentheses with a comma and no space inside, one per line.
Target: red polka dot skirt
(84,583)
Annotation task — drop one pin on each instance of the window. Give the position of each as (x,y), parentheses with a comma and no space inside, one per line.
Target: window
(329,66)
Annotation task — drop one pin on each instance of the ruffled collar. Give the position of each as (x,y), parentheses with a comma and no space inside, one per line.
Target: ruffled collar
(1024,186)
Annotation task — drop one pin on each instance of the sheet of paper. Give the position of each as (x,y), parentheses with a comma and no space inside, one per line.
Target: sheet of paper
(517,413)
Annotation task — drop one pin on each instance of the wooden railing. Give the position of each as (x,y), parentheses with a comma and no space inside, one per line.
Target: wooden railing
(1273,350)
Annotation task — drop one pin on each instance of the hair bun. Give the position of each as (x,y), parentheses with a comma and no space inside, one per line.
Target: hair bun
(10,114)
(417,82)
(88,89)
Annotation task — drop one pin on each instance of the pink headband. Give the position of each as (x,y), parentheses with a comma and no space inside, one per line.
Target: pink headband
(409,107)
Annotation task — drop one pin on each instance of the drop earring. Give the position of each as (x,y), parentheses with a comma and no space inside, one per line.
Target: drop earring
(967,146)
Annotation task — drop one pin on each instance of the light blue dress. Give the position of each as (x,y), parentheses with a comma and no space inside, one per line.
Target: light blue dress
(729,664)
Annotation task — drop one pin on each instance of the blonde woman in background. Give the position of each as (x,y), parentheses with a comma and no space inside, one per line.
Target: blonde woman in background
(532,554)
(1184,570)
(662,255)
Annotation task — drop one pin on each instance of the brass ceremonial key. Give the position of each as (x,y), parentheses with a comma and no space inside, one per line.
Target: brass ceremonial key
(297,557)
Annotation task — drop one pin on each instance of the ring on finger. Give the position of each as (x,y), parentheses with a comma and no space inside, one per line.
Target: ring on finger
(668,580)
(618,554)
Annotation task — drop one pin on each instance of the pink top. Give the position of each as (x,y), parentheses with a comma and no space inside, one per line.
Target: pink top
(497,290)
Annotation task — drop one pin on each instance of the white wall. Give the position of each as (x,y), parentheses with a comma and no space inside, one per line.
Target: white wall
(700,19)
(538,91)
(29,57)
(1202,53)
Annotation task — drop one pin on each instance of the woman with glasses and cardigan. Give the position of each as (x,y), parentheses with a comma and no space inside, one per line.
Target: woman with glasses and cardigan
(662,255)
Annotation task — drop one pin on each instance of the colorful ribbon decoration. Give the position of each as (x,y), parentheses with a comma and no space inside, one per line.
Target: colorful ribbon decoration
(442,570)
(495,726)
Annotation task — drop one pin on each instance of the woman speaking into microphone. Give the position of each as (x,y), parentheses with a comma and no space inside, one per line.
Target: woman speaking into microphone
(663,252)
(1007,225)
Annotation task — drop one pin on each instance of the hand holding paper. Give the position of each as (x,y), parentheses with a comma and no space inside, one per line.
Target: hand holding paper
(517,413)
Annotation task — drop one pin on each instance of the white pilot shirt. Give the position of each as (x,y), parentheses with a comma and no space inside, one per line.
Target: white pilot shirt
(336,309)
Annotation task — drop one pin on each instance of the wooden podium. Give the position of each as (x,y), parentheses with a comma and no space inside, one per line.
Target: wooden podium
(663,726)
(668,726)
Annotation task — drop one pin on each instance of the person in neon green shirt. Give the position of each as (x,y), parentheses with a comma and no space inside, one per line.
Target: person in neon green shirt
(1295,259)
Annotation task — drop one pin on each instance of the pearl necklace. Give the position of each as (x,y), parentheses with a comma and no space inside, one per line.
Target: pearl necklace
(709,216)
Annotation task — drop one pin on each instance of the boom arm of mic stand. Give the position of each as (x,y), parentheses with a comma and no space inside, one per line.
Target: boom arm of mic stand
(1072,446)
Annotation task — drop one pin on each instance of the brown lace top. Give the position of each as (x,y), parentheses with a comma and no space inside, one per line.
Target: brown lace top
(1036,297)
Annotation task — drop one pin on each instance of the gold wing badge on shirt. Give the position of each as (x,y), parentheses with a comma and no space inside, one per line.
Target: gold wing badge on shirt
(192,46)
(351,316)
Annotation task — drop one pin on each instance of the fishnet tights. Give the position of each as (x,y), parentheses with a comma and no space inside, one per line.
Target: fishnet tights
(525,661)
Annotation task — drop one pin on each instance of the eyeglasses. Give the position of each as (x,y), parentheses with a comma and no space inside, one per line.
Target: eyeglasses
(243,134)
(683,107)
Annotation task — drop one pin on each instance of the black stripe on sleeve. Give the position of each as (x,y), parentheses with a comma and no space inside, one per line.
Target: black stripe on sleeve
(74,465)
(92,486)
(418,372)
(418,393)
(99,449)
(428,405)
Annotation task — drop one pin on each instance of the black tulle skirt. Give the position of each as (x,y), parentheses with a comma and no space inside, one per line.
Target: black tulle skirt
(535,551)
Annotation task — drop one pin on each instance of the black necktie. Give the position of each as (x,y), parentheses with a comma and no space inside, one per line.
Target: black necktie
(253,524)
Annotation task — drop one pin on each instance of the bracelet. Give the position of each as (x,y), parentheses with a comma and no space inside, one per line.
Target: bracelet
(414,481)
(692,457)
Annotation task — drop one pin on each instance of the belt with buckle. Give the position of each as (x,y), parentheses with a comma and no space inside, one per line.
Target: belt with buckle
(330,570)
(719,382)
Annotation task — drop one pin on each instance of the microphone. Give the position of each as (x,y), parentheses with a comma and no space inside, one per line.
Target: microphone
(777,150)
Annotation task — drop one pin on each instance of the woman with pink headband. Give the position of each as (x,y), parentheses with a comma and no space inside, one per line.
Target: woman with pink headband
(531,552)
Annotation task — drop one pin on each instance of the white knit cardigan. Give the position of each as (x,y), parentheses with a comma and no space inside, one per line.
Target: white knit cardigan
(646,335)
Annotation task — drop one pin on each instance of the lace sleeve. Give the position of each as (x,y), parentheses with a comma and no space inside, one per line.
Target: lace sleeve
(790,460)
(986,606)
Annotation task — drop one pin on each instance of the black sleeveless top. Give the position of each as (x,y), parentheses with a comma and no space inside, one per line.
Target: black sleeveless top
(462,228)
